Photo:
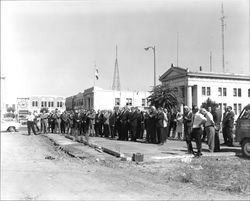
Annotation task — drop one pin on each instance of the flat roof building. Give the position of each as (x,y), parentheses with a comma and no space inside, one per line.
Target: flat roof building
(226,89)
(100,99)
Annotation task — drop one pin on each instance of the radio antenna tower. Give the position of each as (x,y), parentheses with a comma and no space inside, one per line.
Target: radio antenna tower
(116,78)
(222,36)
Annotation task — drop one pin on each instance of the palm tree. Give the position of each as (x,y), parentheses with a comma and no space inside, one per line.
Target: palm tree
(165,96)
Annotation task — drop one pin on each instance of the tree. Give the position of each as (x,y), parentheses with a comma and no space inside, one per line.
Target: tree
(165,96)
(44,108)
(210,103)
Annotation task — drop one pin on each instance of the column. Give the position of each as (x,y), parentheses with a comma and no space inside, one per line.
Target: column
(189,96)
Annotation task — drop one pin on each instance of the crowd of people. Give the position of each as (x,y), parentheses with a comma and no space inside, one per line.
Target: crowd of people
(154,125)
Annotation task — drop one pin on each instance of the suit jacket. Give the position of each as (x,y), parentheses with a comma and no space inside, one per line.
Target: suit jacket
(133,118)
(159,120)
(125,117)
(228,120)
(188,119)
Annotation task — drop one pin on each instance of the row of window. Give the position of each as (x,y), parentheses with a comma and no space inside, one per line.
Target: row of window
(206,91)
(47,104)
(129,102)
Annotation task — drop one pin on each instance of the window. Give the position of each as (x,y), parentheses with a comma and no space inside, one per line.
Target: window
(239,107)
(224,91)
(143,102)
(33,103)
(36,103)
(235,108)
(234,92)
(208,91)
(57,104)
(117,101)
(61,103)
(248,92)
(203,91)
(220,91)
(52,104)
(42,104)
(49,104)
(45,103)
(128,101)
(239,92)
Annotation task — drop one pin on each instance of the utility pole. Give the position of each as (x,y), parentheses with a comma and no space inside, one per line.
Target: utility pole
(222,36)
(177,48)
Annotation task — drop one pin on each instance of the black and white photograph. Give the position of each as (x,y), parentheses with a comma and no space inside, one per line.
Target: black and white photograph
(125,100)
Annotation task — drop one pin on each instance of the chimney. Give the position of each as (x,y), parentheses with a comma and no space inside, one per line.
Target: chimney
(200,68)
(172,65)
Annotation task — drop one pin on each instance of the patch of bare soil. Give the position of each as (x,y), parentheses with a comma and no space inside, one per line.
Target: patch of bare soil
(225,174)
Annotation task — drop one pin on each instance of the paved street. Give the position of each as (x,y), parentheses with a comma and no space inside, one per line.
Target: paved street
(33,168)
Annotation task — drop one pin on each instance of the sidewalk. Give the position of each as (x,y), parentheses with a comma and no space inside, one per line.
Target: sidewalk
(173,149)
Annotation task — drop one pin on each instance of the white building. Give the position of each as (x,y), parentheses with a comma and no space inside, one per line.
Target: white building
(226,89)
(97,98)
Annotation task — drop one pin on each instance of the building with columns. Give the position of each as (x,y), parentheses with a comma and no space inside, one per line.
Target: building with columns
(101,99)
(226,89)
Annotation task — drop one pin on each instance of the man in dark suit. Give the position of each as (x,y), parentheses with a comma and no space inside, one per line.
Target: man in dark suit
(125,123)
(133,123)
(159,126)
(228,124)
(152,124)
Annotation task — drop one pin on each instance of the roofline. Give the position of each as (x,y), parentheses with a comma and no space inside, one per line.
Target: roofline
(203,74)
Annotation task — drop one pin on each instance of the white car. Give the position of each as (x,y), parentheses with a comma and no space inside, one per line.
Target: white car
(10,125)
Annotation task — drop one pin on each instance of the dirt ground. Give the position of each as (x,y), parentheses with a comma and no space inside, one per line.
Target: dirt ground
(32,168)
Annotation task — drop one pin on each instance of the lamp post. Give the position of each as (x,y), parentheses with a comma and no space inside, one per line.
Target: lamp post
(153,48)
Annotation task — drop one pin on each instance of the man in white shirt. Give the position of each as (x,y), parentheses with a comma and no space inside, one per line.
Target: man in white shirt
(209,128)
(198,121)
(30,123)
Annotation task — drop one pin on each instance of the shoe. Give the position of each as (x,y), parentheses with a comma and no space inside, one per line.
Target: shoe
(198,155)
(190,152)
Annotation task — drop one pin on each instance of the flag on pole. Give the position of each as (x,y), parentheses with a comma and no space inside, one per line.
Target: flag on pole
(96,74)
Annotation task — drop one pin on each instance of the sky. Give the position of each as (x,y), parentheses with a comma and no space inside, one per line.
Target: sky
(52,47)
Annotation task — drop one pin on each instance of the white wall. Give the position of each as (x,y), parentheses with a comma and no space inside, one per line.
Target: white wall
(229,99)
(105,99)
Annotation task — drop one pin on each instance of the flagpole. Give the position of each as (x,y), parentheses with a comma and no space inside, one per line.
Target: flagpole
(94,73)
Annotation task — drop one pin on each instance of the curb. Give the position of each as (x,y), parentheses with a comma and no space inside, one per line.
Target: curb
(82,139)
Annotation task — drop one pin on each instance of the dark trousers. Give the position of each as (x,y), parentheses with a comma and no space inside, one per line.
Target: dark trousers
(187,135)
(216,141)
(31,126)
(106,130)
(133,129)
(63,126)
(224,132)
(165,134)
(159,131)
(124,131)
(112,131)
(229,133)
(119,130)
(196,134)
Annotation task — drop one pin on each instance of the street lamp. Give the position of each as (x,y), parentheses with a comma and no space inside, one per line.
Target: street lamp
(153,48)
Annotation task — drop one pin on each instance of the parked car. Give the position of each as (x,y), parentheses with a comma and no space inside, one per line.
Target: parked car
(10,125)
(243,130)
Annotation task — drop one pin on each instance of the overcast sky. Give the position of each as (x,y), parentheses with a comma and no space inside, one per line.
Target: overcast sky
(50,48)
